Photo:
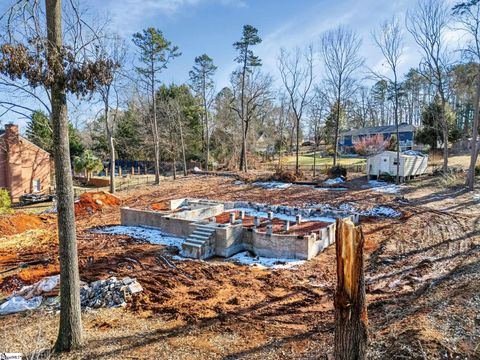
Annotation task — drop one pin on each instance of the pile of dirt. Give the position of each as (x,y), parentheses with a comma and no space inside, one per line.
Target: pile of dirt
(91,202)
(19,223)
(285,175)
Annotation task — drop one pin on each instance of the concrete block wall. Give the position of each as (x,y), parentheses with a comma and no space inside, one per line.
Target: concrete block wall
(134,217)
(231,239)
(200,213)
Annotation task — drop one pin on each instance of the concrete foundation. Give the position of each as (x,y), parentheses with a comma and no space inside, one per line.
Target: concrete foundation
(211,229)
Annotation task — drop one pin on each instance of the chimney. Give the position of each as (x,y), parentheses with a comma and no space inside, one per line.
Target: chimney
(11,133)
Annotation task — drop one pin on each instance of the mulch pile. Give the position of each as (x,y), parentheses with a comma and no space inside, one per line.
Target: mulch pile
(91,202)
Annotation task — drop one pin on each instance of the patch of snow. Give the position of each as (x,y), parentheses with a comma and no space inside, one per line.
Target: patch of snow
(382,211)
(154,236)
(377,211)
(270,185)
(335,181)
(262,214)
(182,258)
(245,258)
(18,303)
(476,197)
(414,153)
(384,187)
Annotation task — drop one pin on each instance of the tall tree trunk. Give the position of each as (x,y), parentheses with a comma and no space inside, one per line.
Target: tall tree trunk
(351,321)
(245,162)
(207,134)
(112,162)
(242,150)
(397,178)
(174,167)
(70,329)
(337,122)
(182,142)
(445,137)
(474,150)
(111,145)
(243,155)
(156,145)
(280,146)
(297,169)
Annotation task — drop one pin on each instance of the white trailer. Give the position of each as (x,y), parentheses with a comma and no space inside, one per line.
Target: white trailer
(411,164)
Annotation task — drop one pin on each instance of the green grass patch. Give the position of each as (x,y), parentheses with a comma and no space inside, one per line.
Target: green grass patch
(307,159)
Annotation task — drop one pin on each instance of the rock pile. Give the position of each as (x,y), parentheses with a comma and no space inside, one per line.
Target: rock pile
(108,293)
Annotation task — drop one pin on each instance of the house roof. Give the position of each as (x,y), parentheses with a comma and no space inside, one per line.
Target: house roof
(379,130)
(2,132)
(408,153)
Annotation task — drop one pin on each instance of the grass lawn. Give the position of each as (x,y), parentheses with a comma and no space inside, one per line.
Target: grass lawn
(307,159)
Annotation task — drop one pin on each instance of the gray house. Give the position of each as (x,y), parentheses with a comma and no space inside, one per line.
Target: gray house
(348,138)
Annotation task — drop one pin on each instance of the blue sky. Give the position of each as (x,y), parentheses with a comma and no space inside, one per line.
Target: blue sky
(212,26)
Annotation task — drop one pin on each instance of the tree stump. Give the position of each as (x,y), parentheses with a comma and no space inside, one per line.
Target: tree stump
(351,321)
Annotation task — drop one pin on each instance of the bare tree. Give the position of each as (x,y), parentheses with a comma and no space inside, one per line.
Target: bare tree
(296,71)
(251,92)
(428,23)
(468,14)
(109,94)
(339,50)
(318,110)
(70,333)
(33,50)
(284,112)
(389,39)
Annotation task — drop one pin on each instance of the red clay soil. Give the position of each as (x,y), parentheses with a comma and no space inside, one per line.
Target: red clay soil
(19,223)
(422,278)
(92,202)
(160,206)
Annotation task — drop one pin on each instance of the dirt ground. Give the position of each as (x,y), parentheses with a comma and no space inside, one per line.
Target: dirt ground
(422,275)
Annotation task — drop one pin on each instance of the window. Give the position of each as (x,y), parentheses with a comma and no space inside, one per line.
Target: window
(36,185)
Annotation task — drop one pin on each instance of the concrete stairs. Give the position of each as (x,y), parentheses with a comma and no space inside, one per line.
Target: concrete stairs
(197,245)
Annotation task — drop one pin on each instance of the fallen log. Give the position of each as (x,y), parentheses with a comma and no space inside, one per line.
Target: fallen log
(351,321)
(26,264)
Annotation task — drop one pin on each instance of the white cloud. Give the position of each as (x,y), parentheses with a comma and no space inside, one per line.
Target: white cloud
(128,15)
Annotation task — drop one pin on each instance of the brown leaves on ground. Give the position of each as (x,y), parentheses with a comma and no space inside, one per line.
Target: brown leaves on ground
(422,272)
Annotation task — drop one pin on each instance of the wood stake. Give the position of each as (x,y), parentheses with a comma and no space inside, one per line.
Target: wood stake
(351,320)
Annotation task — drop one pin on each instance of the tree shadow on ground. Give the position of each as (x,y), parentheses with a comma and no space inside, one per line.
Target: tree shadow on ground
(135,341)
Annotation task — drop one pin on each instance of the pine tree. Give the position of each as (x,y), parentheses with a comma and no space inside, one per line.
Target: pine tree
(201,80)
(155,54)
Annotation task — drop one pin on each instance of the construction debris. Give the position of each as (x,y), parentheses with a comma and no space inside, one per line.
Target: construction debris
(108,293)
(101,293)
(29,297)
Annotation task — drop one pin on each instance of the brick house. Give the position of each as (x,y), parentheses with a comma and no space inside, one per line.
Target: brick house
(24,167)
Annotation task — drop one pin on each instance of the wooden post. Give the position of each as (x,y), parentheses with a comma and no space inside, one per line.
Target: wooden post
(351,321)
